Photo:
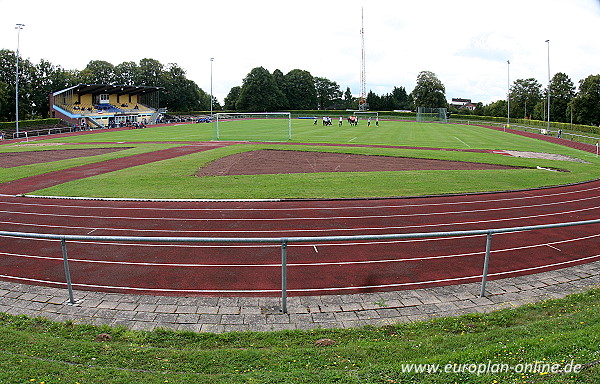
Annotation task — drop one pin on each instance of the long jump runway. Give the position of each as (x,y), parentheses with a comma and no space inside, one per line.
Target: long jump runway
(239,269)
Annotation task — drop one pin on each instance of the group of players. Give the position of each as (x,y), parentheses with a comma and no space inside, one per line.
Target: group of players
(352,120)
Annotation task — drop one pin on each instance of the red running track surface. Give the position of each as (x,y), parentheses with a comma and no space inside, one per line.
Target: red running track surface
(313,268)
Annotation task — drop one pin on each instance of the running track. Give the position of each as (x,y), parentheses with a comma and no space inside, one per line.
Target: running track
(313,269)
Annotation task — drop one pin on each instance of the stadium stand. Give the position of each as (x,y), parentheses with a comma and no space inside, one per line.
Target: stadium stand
(106,106)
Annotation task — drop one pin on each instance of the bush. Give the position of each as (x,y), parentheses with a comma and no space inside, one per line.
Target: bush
(41,123)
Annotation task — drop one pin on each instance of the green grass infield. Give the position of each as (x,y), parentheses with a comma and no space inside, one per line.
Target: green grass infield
(175,178)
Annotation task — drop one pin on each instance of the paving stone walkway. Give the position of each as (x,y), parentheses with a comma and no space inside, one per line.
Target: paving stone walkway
(229,314)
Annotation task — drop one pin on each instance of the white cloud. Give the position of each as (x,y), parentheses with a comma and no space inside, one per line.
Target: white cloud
(466,44)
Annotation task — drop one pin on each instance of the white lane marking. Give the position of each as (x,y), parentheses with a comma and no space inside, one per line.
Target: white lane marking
(460,202)
(275,291)
(215,231)
(439,280)
(323,263)
(278,219)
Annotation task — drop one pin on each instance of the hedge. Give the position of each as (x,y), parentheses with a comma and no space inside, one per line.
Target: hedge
(41,123)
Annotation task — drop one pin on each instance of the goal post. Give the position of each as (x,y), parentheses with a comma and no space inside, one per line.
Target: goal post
(259,126)
(425,114)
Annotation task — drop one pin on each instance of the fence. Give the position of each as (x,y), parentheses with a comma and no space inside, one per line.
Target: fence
(284,241)
(578,137)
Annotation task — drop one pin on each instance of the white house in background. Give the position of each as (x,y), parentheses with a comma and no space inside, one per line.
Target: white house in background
(459,103)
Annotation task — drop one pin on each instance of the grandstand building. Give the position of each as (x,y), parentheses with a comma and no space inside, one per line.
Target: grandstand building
(106,106)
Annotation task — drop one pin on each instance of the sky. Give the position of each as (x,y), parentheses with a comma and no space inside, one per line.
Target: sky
(465,43)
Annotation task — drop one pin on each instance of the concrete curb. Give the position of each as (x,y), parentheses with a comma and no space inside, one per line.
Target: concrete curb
(235,314)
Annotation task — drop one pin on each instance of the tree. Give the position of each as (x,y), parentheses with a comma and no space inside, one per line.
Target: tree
(374,101)
(128,73)
(150,73)
(7,76)
(562,91)
(396,100)
(6,100)
(259,92)
(47,78)
(429,91)
(348,99)
(182,94)
(299,90)
(525,94)
(585,104)
(328,93)
(232,98)
(400,99)
(98,72)
(281,82)
(497,108)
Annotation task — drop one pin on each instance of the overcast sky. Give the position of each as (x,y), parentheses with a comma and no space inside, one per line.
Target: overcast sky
(465,43)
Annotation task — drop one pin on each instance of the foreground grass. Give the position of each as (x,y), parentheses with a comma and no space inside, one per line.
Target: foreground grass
(562,332)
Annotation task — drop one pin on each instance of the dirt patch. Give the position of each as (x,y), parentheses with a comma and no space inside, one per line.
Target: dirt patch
(15,159)
(283,162)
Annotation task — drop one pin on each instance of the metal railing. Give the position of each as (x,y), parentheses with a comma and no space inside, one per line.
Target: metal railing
(285,241)
(578,137)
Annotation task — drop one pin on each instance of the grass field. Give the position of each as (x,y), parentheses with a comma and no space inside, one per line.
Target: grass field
(175,178)
(561,333)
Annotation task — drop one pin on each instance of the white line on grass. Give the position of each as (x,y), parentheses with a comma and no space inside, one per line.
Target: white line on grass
(462,141)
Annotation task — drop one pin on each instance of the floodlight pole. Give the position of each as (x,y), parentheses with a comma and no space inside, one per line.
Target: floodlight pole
(548,41)
(508,94)
(18,28)
(211,86)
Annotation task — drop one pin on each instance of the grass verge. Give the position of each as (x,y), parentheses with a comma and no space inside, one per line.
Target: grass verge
(562,333)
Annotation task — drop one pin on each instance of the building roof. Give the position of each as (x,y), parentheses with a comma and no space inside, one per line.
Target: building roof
(97,89)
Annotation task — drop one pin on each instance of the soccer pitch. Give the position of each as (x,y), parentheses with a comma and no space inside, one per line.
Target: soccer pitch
(396,133)
(175,178)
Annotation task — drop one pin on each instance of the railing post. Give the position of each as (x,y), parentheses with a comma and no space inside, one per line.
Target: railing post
(63,245)
(284,275)
(486,263)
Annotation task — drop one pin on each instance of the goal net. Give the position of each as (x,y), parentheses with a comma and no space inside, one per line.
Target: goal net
(432,115)
(267,126)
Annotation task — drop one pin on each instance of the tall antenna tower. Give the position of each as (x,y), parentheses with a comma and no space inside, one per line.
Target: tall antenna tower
(362,101)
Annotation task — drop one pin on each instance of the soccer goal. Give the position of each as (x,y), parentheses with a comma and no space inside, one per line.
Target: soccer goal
(432,115)
(266,126)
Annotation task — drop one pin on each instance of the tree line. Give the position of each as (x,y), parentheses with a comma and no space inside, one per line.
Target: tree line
(298,89)
(529,100)
(38,81)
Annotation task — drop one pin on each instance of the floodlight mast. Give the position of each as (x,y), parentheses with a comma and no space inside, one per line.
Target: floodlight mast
(548,41)
(508,94)
(211,86)
(362,102)
(18,28)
